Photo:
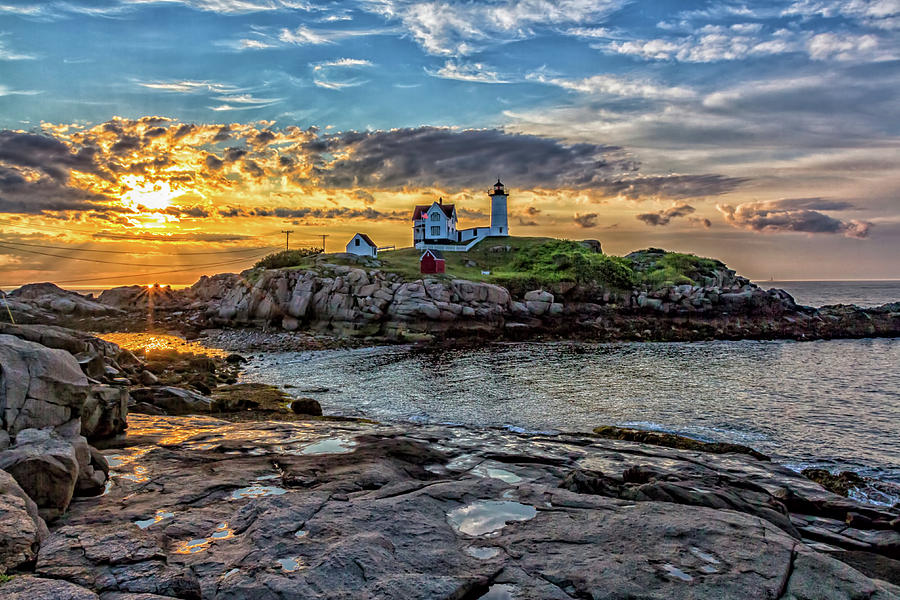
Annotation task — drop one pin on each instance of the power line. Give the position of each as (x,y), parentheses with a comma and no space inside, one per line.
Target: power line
(46,246)
(9,223)
(97,260)
(131,275)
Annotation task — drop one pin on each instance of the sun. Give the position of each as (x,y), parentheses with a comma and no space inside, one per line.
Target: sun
(152,195)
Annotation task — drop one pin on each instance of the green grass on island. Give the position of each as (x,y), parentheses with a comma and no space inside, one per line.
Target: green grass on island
(521,263)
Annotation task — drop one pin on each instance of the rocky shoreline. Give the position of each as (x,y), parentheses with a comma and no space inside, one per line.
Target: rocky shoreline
(129,476)
(346,300)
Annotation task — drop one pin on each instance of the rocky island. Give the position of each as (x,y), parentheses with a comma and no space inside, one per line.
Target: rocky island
(142,475)
(527,288)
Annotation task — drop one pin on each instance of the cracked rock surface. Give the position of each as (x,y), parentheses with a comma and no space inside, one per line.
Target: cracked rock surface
(202,508)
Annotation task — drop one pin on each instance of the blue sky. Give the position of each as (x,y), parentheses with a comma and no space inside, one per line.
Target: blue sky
(752,131)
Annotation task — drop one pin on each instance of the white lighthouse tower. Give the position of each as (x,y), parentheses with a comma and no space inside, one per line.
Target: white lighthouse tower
(499,222)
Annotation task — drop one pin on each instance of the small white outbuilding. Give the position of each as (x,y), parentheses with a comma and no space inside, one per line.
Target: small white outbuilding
(362,245)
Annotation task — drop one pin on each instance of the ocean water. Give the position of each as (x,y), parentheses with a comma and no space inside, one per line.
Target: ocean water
(822,293)
(832,404)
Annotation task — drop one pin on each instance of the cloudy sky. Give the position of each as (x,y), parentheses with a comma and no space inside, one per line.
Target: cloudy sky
(177,137)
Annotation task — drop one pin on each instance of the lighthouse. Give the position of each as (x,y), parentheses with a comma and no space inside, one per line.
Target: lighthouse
(499,223)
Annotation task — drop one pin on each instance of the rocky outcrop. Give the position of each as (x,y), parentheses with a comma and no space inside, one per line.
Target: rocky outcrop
(39,386)
(21,527)
(30,588)
(53,466)
(354,302)
(348,510)
(104,412)
(172,400)
(55,300)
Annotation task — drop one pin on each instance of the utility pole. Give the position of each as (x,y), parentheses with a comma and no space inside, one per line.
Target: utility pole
(287,237)
(324,235)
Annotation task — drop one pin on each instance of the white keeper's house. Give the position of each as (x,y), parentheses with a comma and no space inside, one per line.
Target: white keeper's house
(434,227)
(362,245)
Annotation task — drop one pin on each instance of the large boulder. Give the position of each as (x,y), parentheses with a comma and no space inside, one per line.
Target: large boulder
(104,412)
(173,400)
(46,467)
(21,527)
(39,386)
(53,298)
(306,406)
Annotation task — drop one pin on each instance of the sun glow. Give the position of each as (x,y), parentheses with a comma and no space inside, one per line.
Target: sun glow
(152,195)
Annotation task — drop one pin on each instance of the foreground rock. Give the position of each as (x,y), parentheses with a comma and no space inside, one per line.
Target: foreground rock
(21,527)
(205,508)
(43,396)
(40,386)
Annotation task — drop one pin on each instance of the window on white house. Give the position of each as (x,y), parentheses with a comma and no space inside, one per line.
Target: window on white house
(436,230)
(357,241)
(435,216)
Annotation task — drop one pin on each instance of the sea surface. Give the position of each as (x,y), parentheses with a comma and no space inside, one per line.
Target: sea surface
(822,293)
(832,404)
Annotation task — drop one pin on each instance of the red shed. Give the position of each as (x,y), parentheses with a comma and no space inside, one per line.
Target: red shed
(431,261)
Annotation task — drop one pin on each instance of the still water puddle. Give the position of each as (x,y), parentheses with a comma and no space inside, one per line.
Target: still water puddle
(705,556)
(496,473)
(302,533)
(222,532)
(677,573)
(192,546)
(257,491)
(289,565)
(482,553)
(487,516)
(329,446)
(154,342)
(138,472)
(159,516)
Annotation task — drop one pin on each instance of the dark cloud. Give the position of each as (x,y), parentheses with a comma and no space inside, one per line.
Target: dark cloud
(795,215)
(525,223)
(154,133)
(196,212)
(19,195)
(317,213)
(234,153)
(253,169)
(586,220)
(172,237)
(676,187)
(263,138)
(183,130)
(43,153)
(702,221)
(533,211)
(431,156)
(213,162)
(364,196)
(664,217)
(223,135)
(126,144)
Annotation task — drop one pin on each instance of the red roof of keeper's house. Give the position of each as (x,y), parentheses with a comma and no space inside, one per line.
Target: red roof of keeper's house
(421,209)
